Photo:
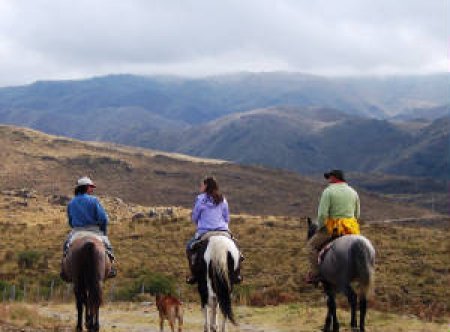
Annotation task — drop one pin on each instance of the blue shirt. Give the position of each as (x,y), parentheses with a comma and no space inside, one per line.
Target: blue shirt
(85,210)
(209,216)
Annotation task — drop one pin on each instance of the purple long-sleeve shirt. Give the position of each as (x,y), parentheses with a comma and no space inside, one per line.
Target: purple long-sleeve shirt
(209,216)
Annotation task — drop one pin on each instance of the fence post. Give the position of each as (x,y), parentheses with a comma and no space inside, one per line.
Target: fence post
(66,293)
(111,292)
(12,295)
(52,284)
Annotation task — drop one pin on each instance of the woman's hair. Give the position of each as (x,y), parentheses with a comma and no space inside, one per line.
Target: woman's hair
(212,189)
(80,190)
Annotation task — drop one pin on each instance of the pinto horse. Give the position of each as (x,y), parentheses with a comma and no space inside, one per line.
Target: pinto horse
(218,267)
(88,266)
(350,258)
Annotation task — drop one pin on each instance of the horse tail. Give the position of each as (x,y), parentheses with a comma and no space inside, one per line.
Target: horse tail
(364,260)
(220,269)
(91,275)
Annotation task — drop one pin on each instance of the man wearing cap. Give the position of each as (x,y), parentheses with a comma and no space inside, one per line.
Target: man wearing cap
(337,215)
(85,213)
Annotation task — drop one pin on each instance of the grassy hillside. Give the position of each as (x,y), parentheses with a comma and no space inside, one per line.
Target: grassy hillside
(267,205)
(52,164)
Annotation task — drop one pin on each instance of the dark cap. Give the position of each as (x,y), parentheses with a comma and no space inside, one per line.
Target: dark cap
(337,173)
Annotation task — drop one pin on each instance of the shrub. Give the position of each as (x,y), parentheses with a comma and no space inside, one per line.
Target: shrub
(150,283)
(28,259)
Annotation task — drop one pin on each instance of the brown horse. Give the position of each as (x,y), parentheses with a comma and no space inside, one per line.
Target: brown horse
(88,266)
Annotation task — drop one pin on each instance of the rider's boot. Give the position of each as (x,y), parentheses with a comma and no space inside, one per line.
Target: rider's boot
(192,256)
(237,277)
(112,270)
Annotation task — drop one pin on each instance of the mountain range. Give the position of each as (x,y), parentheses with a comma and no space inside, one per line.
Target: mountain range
(305,123)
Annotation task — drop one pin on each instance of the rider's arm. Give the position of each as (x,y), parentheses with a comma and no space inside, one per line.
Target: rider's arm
(324,209)
(69,217)
(196,210)
(102,217)
(357,207)
(225,211)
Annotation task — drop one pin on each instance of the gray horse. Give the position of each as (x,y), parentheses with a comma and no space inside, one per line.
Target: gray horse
(351,258)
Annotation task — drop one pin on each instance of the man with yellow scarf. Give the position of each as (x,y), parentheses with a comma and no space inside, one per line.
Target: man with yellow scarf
(337,215)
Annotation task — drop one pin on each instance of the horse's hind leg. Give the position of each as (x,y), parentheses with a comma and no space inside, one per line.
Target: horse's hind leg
(331,314)
(362,313)
(224,322)
(352,300)
(96,319)
(205,316)
(80,312)
(214,314)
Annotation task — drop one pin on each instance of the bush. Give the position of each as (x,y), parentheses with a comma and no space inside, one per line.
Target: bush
(149,283)
(28,259)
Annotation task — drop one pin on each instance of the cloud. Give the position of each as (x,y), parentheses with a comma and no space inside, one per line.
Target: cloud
(45,39)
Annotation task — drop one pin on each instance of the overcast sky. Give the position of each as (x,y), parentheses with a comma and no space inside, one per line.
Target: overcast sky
(59,39)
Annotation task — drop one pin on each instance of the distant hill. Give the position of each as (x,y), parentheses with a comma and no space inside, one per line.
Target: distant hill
(51,165)
(314,139)
(425,113)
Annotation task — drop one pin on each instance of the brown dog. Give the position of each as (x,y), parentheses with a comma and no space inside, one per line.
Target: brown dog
(170,308)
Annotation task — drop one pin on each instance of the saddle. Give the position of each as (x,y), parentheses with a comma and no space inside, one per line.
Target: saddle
(204,238)
(84,233)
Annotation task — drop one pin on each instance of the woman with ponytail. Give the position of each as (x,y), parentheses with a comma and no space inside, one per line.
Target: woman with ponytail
(210,213)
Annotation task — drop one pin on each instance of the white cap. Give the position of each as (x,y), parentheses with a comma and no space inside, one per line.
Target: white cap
(85,181)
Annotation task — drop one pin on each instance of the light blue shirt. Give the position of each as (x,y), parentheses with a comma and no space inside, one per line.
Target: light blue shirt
(86,210)
(209,216)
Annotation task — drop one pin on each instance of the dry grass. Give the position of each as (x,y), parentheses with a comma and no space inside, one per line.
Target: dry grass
(138,317)
(412,262)
(26,316)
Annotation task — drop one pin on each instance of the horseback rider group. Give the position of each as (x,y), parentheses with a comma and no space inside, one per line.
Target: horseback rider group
(86,214)
(338,212)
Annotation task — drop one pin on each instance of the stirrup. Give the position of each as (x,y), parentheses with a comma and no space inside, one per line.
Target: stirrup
(312,279)
(191,280)
(237,280)
(64,277)
(112,273)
